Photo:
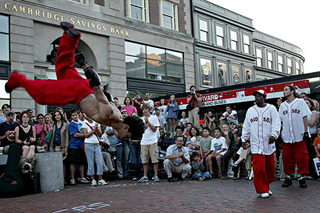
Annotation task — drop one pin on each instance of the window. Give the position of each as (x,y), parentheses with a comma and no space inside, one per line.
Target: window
(280,63)
(84,2)
(4,38)
(206,72)
(138,9)
(169,15)
(259,57)
(154,63)
(234,40)
(270,60)
(289,65)
(220,36)
(246,44)
(203,25)
(298,71)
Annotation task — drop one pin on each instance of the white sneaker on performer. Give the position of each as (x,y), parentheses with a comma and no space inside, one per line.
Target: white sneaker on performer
(264,195)
(270,193)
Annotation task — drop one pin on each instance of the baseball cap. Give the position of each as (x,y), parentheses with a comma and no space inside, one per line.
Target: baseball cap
(260,91)
(233,122)
(10,112)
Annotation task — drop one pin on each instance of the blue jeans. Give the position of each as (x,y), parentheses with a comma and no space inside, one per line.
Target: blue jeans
(135,149)
(122,154)
(196,176)
(93,153)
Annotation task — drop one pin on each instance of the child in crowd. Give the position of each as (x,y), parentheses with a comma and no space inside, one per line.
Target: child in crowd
(58,149)
(198,168)
(205,143)
(184,120)
(244,153)
(218,148)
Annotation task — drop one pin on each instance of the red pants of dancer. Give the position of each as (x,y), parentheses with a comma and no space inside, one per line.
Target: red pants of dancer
(295,154)
(70,88)
(264,172)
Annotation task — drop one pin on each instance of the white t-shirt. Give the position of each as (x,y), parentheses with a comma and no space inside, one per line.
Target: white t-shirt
(93,139)
(233,113)
(150,137)
(162,120)
(218,144)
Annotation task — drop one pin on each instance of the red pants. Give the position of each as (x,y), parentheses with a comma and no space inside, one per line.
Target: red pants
(70,88)
(264,172)
(295,153)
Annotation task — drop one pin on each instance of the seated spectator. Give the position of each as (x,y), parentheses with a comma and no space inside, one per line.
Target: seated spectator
(178,132)
(42,128)
(205,143)
(177,160)
(128,106)
(193,141)
(76,153)
(198,168)
(228,116)
(164,142)
(244,155)
(218,149)
(186,131)
(7,131)
(184,120)
(210,120)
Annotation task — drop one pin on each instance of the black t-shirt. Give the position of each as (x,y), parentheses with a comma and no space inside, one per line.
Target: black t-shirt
(4,127)
(233,144)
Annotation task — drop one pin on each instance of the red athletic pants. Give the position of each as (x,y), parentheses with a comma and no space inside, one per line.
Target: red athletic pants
(264,172)
(70,88)
(295,154)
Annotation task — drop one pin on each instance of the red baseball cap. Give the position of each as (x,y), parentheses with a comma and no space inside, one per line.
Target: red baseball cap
(260,91)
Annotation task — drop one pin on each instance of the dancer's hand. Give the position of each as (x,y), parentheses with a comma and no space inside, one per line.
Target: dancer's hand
(272,140)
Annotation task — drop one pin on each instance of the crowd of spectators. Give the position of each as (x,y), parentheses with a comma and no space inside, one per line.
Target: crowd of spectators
(92,153)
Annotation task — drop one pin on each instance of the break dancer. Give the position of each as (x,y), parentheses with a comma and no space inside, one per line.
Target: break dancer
(262,125)
(71,88)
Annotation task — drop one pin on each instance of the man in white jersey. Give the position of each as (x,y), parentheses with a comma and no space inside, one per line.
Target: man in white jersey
(262,125)
(293,114)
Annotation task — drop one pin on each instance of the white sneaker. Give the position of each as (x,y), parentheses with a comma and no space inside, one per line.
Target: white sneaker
(270,193)
(102,182)
(264,195)
(94,183)
(135,179)
(83,180)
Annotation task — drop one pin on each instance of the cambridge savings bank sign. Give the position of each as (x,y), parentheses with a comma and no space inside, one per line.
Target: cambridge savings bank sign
(46,15)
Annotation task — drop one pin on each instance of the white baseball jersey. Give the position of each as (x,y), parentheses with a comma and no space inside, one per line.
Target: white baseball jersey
(291,116)
(259,125)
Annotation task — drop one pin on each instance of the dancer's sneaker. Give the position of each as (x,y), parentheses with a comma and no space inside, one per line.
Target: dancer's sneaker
(264,195)
(13,82)
(80,59)
(287,182)
(302,182)
(69,29)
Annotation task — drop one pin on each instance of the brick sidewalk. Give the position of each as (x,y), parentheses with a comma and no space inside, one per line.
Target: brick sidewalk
(186,196)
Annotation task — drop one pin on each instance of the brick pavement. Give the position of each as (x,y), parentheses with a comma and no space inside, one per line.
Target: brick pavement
(187,196)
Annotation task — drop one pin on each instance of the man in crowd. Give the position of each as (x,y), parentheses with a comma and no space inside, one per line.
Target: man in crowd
(5,108)
(262,125)
(147,100)
(116,102)
(137,102)
(177,160)
(293,114)
(229,115)
(6,131)
(149,143)
(194,98)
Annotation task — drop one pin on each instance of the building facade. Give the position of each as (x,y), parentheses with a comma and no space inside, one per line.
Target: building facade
(230,51)
(143,45)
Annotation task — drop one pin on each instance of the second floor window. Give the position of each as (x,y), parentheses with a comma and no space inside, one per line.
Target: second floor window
(234,40)
(259,57)
(169,15)
(246,44)
(270,60)
(280,63)
(4,38)
(203,25)
(138,9)
(289,65)
(220,36)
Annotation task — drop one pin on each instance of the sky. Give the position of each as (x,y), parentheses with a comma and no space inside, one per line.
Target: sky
(294,21)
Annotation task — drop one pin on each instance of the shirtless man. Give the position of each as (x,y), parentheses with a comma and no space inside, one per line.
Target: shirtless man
(72,88)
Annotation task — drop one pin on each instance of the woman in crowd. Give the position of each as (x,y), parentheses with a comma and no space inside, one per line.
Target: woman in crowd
(42,128)
(60,133)
(48,119)
(173,110)
(193,141)
(25,135)
(128,106)
(312,123)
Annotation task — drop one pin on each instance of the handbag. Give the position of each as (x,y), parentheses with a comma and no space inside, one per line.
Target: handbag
(190,107)
(48,137)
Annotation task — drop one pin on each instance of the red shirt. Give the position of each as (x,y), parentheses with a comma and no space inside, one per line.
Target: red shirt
(194,100)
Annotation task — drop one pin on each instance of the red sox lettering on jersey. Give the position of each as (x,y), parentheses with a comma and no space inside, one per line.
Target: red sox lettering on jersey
(260,124)
(291,115)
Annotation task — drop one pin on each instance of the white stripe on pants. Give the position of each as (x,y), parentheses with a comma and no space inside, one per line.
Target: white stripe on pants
(93,153)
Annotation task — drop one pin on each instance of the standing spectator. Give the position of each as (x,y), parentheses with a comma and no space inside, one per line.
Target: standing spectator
(262,125)
(218,150)
(123,152)
(76,153)
(303,95)
(234,143)
(128,107)
(279,102)
(177,160)
(316,145)
(60,133)
(210,120)
(147,100)
(312,126)
(42,128)
(137,102)
(149,143)
(293,114)
(33,120)
(184,120)
(48,119)
(6,129)
(173,110)
(163,108)
(161,119)
(5,108)
(116,102)
(135,149)
(229,115)
(194,98)
(92,133)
